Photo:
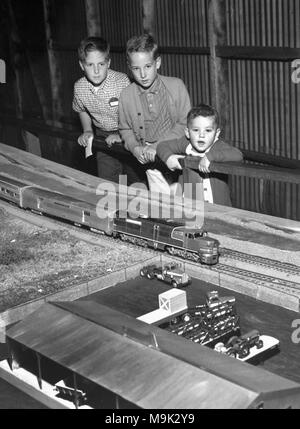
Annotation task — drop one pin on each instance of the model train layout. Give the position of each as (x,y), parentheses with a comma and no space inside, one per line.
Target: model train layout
(163,234)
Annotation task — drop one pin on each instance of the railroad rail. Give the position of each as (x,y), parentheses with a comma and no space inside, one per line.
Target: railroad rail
(93,237)
(259,260)
(281,285)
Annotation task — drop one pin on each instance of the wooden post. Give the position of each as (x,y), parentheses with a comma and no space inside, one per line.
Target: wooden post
(219,66)
(149,15)
(57,150)
(93,24)
(16,57)
(54,67)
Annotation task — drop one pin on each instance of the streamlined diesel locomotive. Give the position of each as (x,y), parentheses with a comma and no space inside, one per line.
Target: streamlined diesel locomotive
(167,235)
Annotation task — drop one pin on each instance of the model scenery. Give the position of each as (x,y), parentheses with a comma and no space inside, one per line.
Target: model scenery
(162,234)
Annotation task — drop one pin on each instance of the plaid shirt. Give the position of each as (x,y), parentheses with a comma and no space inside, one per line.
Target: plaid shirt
(101,103)
(158,120)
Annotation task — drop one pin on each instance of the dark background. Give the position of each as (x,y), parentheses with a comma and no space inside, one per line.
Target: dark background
(234,54)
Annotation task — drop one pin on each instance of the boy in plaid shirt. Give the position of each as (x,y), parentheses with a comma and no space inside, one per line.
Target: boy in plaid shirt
(96,99)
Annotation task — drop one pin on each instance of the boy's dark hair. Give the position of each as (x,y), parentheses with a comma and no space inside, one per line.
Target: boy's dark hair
(143,43)
(90,44)
(203,110)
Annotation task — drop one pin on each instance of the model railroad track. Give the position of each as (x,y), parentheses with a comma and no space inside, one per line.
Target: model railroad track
(93,237)
(259,279)
(259,260)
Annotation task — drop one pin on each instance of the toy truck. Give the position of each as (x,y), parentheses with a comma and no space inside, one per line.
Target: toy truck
(213,299)
(171,273)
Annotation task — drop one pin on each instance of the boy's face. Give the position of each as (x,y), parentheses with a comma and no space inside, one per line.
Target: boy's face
(144,68)
(202,132)
(95,67)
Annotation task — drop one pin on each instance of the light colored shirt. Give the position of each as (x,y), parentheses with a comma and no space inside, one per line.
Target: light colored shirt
(207,191)
(157,117)
(101,102)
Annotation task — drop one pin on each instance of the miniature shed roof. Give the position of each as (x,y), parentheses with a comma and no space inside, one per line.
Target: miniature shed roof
(88,339)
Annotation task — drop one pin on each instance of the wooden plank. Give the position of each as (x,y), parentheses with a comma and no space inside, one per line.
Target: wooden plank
(149,17)
(219,66)
(247,170)
(39,127)
(266,158)
(32,143)
(93,21)
(257,53)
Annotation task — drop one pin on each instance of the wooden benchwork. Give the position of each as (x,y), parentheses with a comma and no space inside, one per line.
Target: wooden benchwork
(288,175)
(248,232)
(105,346)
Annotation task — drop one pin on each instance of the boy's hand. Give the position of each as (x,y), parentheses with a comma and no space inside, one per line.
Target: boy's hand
(173,163)
(149,153)
(83,139)
(113,138)
(204,165)
(138,152)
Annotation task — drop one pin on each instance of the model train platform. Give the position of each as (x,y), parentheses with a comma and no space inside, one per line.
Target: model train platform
(260,255)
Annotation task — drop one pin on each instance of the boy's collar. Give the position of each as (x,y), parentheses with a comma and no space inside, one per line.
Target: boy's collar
(191,151)
(154,88)
(102,85)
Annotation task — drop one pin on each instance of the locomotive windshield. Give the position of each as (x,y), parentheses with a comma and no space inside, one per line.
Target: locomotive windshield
(195,235)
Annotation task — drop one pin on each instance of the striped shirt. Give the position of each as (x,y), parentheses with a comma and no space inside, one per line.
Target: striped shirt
(156,113)
(101,102)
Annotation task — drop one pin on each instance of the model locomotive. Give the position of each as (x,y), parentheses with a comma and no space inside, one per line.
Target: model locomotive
(167,235)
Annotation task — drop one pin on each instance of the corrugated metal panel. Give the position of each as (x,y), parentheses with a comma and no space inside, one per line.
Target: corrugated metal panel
(263,23)
(182,23)
(120,20)
(264,102)
(193,70)
(264,107)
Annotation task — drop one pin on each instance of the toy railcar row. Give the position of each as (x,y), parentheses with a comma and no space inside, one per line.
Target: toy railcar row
(207,324)
(167,235)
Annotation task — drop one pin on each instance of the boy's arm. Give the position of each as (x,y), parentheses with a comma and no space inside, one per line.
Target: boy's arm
(125,128)
(222,152)
(171,147)
(86,123)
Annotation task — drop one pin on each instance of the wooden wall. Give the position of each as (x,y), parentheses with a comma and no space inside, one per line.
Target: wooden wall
(235,54)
